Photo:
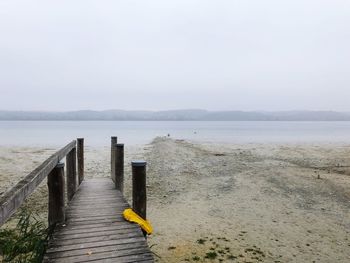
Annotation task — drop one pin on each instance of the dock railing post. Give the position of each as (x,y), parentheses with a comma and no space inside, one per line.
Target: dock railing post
(71,173)
(139,195)
(114,140)
(80,158)
(119,167)
(55,183)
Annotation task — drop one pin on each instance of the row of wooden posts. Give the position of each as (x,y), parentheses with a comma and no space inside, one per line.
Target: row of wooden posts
(56,184)
(74,159)
(139,195)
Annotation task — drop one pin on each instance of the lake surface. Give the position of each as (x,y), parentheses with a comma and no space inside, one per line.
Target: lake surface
(98,133)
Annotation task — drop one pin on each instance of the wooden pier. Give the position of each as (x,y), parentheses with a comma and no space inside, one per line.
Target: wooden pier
(90,228)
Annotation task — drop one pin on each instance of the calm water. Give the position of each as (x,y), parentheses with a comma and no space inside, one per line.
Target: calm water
(97,133)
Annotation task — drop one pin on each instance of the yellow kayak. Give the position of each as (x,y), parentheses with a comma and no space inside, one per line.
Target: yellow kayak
(131,216)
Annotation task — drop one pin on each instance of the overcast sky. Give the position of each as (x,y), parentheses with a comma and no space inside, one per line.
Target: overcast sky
(159,54)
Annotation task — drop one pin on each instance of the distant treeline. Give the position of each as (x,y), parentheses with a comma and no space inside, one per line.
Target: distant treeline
(176,115)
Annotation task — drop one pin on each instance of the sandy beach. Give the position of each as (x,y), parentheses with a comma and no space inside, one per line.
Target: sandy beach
(227,202)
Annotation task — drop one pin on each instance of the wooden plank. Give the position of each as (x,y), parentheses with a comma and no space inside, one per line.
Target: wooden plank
(91,221)
(126,232)
(93,229)
(85,251)
(108,192)
(93,214)
(90,225)
(55,248)
(97,209)
(127,259)
(113,202)
(14,198)
(97,200)
(123,254)
(109,202)
(112,210)
(66,242)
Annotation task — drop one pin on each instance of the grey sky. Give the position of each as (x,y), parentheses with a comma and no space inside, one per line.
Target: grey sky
(216,55)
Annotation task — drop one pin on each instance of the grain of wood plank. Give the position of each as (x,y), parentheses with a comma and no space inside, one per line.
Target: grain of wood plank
(66,242)
(102,199)
(95,202)
(126,259)
(107,232)
(82,206)
(87,199)
(93,224)
(85,206)
(53,248)
(85,251)
(88,221)
(95,214)
(96,210)
(93,237)
(107,195)
(93,229)
(96,219)
(105,255)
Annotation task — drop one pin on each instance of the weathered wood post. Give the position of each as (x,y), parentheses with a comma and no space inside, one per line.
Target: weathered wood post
(139,196)
(80,157)
(71,173)
(114,140)
(55,183)
(119,167)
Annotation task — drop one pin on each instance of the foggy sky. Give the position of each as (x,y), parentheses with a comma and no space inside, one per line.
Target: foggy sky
(159,54)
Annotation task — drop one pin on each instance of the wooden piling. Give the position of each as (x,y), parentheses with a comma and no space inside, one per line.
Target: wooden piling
(119,167)
(55,182)
(71,174)
(80,158)
(139,196)
(114,140)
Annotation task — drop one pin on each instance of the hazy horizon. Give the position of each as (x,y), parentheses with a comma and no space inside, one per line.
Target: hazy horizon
(166,55)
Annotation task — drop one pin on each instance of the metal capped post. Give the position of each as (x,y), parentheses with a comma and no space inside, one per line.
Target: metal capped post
(55,183)
(119,167)
(139,195)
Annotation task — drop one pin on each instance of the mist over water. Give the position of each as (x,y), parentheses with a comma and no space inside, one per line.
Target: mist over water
(98,133)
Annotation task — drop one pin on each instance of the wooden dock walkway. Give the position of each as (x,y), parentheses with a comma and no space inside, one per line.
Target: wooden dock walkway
(89,227)
(95,230)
